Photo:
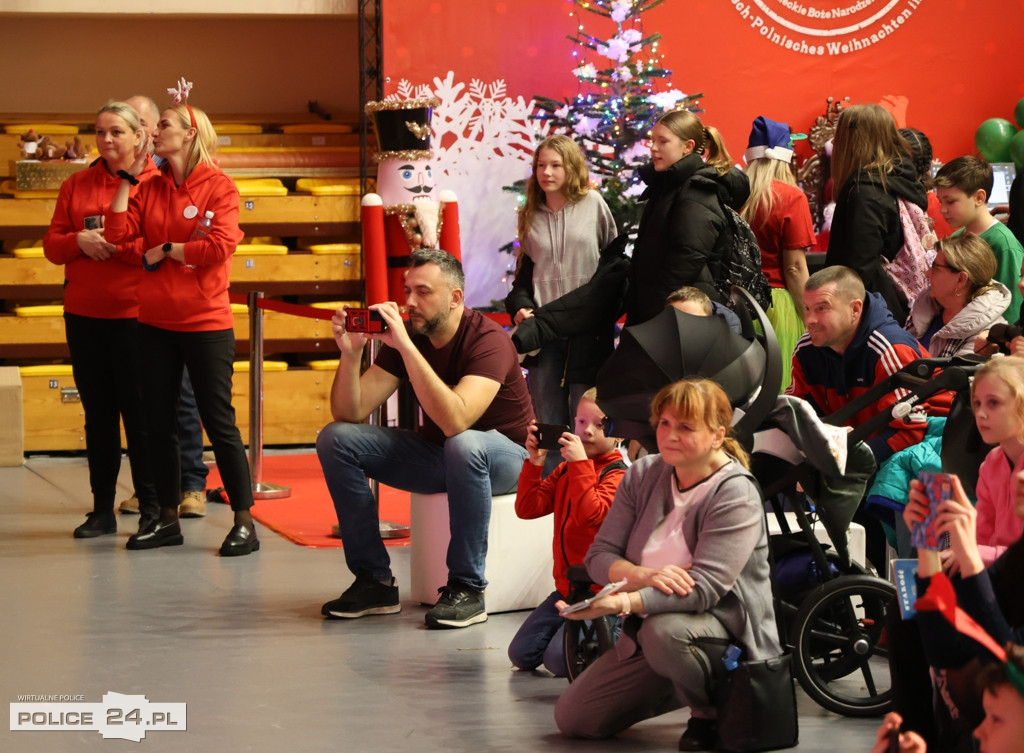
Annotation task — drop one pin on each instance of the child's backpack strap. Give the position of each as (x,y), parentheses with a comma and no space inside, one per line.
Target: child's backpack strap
(615,464)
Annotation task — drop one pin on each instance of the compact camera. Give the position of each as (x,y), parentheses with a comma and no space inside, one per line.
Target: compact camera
(364,320)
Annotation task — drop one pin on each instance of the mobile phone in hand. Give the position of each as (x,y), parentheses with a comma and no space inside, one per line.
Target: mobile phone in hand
(894,741)
(364,320)
(548,436)
(938,487)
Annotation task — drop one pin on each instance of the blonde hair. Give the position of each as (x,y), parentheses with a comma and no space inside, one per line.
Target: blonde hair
(1010,371)
(707,141)
(762,172)
(700,400)
(577,178)
(866,138)
(124,111)
(970,254)
(204,145)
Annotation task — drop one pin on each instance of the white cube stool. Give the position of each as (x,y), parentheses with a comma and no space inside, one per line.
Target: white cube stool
(519,561)
(855,535)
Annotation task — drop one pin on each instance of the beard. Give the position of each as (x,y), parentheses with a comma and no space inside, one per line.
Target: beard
(422,325)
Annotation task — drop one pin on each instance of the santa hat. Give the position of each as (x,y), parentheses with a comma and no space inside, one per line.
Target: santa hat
(403,127)
(771,139)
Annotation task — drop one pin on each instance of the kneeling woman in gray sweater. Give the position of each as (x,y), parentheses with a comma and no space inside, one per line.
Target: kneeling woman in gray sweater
(686,531)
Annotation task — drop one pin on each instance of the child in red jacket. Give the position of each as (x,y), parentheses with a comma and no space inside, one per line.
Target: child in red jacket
(579,492)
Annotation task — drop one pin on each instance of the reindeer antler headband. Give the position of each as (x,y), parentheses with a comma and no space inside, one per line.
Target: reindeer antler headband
(180,95)
(941,597)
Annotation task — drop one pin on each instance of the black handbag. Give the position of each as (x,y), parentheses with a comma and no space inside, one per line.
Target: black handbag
(757,707)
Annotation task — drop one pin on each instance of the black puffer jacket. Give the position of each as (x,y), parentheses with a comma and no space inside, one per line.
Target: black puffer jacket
(677,235)
(866,227)
(586,315)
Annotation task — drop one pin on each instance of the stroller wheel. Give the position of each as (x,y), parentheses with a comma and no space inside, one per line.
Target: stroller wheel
(839,651)
(584,641)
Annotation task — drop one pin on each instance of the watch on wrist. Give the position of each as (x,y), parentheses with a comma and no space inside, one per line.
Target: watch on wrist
(166,248)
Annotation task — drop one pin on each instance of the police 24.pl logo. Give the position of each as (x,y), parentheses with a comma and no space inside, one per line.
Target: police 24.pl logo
(825,27)
(125,717)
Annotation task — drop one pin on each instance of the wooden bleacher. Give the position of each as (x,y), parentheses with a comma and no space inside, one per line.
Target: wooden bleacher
(295,401)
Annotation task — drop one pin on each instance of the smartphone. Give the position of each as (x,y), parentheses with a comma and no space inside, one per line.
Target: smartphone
(548,436)
(364,320)
(894,741)
(939,488)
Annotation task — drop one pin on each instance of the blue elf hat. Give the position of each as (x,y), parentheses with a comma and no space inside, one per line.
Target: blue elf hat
(769,138)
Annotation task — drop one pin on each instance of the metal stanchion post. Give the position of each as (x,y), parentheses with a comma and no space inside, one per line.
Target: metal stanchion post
(260,489)
(388,529)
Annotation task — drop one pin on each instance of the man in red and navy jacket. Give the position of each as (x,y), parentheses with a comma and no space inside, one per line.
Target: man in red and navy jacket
(852,343)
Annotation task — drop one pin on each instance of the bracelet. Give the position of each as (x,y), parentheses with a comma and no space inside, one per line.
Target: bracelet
(627,607)
(128,177)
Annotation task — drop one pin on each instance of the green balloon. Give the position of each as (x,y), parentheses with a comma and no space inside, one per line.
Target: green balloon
(1018,113)
(993,139)
(1017,150)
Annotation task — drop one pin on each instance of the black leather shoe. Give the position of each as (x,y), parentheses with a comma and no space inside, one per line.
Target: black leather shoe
(97,524)
(241,540)
(157,534)
(700,734)
(146,520)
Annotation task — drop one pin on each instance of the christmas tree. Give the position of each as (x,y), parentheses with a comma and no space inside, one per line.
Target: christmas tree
(624,89)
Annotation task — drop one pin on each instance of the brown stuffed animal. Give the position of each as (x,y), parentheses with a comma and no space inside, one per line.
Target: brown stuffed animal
(49,150)
(29,144)
(74,149)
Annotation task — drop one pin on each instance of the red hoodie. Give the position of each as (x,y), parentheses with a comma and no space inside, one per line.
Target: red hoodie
(101,289)
(579,500)
(190,297)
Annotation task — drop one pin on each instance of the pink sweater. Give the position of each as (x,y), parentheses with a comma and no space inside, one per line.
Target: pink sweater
(998,527)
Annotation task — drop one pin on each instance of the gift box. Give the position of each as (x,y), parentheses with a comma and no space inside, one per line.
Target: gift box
(46,175)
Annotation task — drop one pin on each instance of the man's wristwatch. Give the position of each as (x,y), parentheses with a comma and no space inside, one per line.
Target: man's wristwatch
(167,248)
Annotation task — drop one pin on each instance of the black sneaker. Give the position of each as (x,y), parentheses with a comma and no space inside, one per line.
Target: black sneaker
(458,606)
(365,596)
(96,524)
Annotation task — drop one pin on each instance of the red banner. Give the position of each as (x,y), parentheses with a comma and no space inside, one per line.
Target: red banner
(955,61)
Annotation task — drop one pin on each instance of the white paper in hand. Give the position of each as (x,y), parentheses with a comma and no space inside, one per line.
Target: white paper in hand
(611,588)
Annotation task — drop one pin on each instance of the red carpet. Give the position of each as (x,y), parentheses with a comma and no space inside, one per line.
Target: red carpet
(306,517)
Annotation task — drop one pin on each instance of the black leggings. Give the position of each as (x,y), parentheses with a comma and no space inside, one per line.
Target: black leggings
(209,357)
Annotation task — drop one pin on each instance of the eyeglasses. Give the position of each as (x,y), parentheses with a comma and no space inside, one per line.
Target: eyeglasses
(954,270)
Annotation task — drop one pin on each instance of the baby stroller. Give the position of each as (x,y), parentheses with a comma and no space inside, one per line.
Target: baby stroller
(835,628)
(831,618)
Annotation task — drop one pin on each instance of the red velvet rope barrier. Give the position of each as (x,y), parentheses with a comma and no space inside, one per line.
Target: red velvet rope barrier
(312,312)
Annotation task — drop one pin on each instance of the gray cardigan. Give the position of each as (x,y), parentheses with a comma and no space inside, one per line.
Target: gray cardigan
(727,536)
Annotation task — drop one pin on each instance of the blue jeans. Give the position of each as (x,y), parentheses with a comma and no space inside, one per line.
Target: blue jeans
(190,438)
(539,639)
(470,467)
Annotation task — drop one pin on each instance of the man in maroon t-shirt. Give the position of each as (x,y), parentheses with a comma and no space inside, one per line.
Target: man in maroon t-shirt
(476,409)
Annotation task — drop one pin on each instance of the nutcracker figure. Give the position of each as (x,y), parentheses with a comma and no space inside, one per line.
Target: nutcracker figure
(408,212)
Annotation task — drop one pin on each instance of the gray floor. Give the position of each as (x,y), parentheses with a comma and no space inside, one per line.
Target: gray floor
(242,643)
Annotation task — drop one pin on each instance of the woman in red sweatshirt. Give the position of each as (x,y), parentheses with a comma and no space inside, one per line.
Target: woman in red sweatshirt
(184,315)
(100,316)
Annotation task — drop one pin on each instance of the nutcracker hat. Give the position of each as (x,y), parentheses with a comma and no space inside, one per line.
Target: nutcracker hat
(769,138)
(403,127)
